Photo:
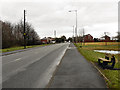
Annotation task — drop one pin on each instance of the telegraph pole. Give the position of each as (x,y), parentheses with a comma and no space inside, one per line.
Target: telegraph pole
(24,31)
(83,36)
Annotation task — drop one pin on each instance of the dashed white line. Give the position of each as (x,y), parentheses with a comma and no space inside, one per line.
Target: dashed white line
(17,59)
(13,60)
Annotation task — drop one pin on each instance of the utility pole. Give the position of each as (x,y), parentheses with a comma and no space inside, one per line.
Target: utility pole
(83,36)
(24,31)
(73,34)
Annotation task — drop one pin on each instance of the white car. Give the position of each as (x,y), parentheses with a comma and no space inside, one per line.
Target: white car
(52,41)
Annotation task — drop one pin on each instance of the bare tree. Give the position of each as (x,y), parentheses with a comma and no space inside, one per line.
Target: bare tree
(7,35)
(118,36)
(12,34)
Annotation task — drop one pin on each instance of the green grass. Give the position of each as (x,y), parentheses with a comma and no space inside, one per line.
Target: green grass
(88,52)
(20,47)
(101,47)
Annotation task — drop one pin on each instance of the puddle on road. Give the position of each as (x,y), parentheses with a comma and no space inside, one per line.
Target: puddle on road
(108,51)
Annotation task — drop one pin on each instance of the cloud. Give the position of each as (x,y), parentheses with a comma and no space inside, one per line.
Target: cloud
(97,30)
(47,16)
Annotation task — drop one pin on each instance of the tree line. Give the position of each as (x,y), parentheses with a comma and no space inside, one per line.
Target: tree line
(13,34)
(62,39)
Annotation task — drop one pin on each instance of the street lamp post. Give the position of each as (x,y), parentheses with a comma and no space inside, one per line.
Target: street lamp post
(73,34)
(76,23)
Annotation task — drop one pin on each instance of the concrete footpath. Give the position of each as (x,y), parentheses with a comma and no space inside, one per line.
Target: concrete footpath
(76,72)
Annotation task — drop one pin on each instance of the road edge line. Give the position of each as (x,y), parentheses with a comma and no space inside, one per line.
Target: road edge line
(57,67)
(21,50)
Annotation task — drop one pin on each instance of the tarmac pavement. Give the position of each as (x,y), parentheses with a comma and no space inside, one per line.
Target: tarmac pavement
(75,71)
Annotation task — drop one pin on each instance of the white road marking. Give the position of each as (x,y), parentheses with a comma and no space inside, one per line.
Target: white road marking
(13,61)
(17,59)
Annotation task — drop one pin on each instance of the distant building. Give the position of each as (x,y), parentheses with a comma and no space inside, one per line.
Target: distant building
(47,40)
(44,40)
(51,40)
(105,38)
(88,38)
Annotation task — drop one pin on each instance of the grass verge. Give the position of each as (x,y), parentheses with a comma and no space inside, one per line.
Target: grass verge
(88,52)
(20,48)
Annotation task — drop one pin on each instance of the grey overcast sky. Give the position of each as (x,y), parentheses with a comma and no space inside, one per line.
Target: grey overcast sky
(95,16)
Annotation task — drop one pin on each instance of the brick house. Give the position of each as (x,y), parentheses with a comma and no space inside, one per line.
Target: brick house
(88,38)
(44,40)
(48,40)
(105,38)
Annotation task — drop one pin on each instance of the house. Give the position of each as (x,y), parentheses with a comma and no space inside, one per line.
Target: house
(47,40)
(51,40)
(105,38)
(44,40)
(88,38)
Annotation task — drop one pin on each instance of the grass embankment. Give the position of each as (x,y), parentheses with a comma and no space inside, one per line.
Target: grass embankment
(88,52)
(21,47)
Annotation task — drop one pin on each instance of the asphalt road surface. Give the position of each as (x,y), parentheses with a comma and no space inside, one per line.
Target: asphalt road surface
(32,68)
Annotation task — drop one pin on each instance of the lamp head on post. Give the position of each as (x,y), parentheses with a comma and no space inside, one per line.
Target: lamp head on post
(76,22)
(72,11)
